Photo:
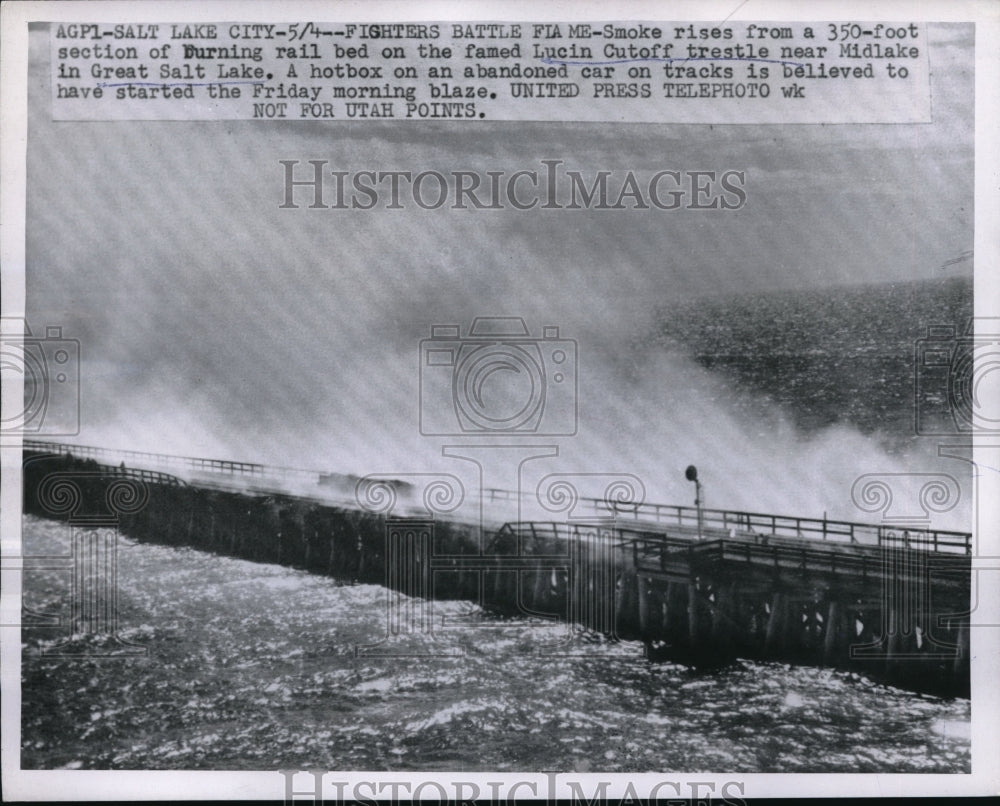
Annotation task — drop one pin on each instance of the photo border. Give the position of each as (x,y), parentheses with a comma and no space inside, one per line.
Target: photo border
(180,785)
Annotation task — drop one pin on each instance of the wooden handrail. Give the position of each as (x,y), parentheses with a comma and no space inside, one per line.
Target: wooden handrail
(718,519)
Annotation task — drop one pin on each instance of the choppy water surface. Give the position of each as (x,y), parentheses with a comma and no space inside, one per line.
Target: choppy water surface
(253,666)
(825,356)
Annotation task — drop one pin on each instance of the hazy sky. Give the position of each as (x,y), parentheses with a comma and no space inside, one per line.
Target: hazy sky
(213,322)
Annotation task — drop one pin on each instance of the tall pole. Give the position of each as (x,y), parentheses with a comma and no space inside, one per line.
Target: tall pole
(698,501)
(691,474)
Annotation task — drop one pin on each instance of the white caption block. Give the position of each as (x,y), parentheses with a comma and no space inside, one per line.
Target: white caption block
(646,72)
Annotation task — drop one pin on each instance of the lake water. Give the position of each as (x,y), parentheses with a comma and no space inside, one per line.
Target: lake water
(254,666)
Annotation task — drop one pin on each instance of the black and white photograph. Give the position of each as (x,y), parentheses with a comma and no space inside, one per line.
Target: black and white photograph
(424,401)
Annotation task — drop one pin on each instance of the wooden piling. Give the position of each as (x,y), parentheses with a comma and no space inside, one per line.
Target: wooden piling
(577,585)
(655,605)
(211,526)
(774,623)
(539,598)
(960,662)
(694,620)
(831,633)
(331,555)
(665,610)
(626,606)
(509,589)
(525,590)
(892,640)
(720,618)
(793,627)
(190,526)
(677,627)
(487,594)
(642,589)
(558,595)
(497,596)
